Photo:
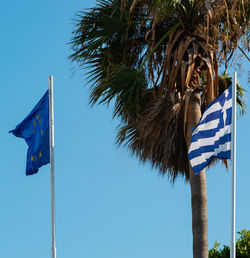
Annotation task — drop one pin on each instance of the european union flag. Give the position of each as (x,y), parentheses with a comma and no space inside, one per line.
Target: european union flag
(35,130)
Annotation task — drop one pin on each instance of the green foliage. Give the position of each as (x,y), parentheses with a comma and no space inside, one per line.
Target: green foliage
(243,244)
(107,45)
(224,82)
(215,252)
(125,84)
(242,247)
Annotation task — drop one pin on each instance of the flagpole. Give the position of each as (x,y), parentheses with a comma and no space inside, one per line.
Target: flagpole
(233,159)
(52,175)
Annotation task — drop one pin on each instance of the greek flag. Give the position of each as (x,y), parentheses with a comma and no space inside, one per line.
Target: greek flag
(212,136)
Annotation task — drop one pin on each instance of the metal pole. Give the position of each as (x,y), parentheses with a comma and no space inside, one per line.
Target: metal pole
(52,175)
(233,159)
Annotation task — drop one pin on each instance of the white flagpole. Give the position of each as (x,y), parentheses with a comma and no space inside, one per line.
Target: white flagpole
(52,175)
(233,159)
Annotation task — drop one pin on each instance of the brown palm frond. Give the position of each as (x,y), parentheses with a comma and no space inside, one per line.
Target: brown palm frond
(158,136)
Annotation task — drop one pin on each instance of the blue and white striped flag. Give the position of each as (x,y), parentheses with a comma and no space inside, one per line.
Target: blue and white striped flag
(212,136)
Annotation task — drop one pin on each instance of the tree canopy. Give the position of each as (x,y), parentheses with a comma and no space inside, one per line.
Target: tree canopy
(242,247)
(149,56)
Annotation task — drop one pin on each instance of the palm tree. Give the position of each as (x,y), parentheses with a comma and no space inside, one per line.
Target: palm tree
(158,60)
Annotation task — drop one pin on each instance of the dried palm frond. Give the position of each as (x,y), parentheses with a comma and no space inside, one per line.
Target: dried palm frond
(157,135)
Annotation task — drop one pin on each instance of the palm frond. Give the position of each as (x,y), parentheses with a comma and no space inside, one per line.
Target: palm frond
(156,135)
(123,84)
(224,82)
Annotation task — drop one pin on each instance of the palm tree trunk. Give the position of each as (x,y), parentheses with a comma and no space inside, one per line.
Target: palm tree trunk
(198,186)
(199,214)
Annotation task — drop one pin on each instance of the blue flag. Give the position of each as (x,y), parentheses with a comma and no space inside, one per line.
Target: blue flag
(212,136)
(35,130)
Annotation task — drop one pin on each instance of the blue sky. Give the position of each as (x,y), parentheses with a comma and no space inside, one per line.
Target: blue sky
(108,205)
